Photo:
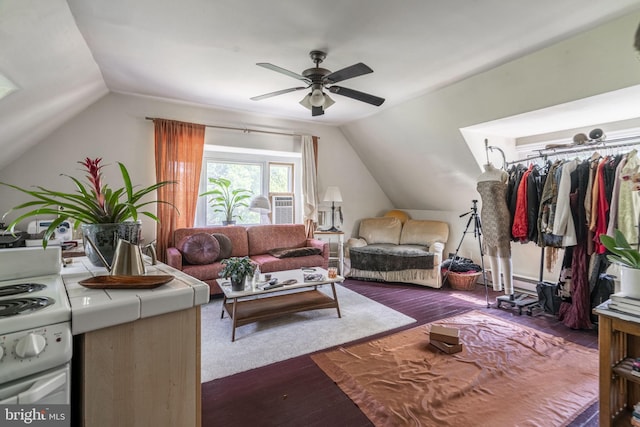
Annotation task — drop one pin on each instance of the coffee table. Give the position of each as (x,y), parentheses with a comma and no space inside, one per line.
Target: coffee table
(255,304)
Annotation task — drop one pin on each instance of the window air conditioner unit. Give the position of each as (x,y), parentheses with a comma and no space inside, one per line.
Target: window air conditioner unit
(282,209)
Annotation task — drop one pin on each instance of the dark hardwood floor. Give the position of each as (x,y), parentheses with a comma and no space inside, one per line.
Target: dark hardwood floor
(297,393)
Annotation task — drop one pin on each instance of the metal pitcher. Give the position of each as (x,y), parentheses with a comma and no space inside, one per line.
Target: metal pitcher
(127,259)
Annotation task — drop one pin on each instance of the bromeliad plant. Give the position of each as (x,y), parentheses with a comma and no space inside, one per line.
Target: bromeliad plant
(620,250)
(95,203)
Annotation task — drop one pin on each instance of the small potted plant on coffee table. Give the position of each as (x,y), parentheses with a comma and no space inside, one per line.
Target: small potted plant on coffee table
(237,269)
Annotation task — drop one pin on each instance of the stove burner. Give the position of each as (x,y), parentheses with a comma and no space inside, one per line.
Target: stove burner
(20,288)
(25,305)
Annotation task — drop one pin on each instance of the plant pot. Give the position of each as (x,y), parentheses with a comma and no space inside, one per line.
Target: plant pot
(105,237)
(238,285)
(229,222)
(630,281)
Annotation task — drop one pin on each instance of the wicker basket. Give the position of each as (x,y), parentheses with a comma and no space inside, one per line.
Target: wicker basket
(463,281)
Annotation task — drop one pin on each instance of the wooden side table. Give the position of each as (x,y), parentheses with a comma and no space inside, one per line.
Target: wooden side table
(619,345)
(338,236)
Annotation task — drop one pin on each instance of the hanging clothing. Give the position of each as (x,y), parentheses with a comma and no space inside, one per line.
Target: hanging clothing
(613,210)
(513,184)
(573,203)
(576,315)
(629,201)
(535,184)
(548,203)
(563,224)
(588,200)
(520,227)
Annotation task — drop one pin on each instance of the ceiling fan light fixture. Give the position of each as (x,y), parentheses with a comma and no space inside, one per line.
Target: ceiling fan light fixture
(306,102)
(317,98)
(328,102)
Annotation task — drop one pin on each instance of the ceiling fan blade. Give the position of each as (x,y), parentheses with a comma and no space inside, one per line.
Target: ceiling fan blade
(317,111)
(283,71)
(360,96)
(276,93)
(348,73)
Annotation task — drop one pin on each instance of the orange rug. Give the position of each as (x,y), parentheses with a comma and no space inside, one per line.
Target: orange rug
(506,375)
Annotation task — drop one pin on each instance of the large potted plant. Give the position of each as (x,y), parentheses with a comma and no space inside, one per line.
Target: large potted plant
(104,213)
(226,200)
(621,252)
(237,269)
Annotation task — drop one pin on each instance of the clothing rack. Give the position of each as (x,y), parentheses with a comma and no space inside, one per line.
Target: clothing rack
(544,153)
(617,143)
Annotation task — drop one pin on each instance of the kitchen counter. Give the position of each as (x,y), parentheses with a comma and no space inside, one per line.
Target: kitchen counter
(136,357)
(93,309)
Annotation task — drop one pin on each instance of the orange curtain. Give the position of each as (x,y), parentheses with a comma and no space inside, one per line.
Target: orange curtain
(309,224)
(179,147)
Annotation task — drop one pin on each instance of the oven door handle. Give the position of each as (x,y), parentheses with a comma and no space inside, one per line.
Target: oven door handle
(42,388)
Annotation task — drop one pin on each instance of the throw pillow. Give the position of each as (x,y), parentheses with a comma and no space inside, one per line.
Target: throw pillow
(294,252)
(200,248)
(225,245)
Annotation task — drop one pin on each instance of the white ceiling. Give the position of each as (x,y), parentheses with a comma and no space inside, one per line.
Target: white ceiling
(65,55)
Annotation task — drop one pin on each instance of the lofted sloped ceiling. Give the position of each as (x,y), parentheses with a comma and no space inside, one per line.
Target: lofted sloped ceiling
(64,55)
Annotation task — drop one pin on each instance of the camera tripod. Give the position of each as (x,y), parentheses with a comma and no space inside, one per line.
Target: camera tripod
(477,234)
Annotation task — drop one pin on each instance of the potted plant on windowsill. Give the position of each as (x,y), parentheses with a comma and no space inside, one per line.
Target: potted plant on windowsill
(628,258)
(98,208)
(226,200)
(237,269)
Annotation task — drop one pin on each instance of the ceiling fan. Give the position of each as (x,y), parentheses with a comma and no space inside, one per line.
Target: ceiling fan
(319,79)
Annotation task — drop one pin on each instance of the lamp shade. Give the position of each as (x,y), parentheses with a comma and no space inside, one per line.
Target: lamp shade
(308,102)
(332,194)
(260,204)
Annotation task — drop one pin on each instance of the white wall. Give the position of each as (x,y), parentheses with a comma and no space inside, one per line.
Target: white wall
(419,155)
(115,129)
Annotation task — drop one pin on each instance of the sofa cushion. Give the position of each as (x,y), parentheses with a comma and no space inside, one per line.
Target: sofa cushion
(424,232)
(380,230)
(201,248)
(294,252)
(237,234)
(226,246)
(263,238)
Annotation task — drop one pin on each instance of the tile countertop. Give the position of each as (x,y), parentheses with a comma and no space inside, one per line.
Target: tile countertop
(93,309)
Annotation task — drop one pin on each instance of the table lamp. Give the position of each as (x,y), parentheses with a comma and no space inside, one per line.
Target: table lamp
(261,205)
(332,194)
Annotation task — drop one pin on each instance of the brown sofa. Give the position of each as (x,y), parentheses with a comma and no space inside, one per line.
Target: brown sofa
(254,241)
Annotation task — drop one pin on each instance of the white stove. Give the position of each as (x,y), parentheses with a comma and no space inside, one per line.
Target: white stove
(35,327)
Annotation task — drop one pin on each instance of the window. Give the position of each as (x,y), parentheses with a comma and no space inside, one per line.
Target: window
(265,173)
(246,176)
(280,178)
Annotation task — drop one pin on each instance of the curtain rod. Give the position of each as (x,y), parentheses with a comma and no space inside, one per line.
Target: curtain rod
(245,130)
(614,143)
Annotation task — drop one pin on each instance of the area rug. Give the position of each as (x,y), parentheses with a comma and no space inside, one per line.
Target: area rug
(266,342)
(506,375)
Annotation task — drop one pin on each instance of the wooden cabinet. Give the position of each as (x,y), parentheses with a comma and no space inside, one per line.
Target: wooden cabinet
(619,344)
(141,373)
